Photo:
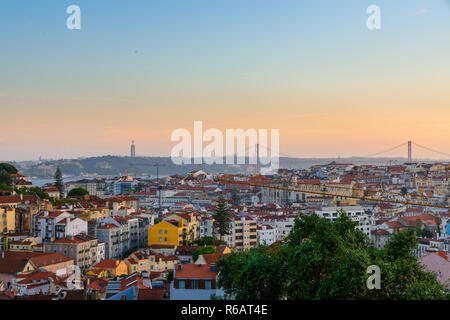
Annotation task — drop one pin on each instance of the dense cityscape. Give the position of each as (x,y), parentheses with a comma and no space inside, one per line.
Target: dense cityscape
(177,237)
(225,159)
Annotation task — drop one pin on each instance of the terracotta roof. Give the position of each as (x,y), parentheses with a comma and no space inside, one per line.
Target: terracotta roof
(107,264)
(189,271)
(151,294)
(212,257)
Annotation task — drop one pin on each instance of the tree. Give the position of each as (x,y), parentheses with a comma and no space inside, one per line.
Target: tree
(222,218)
(8,168)
(404,191)
(59,184)
(438,224)
(203,250)
(77,192)
(253,275)
(328,260)
(5,178)
(34,190)
(208,241)
(169,276)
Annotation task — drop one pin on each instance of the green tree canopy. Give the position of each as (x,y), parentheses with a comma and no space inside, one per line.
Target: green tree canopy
(208,241)
(222,218)
(8,168)
(34,190)
(77,192)
(203,250)
(328,260)
(59,183)
(5,178)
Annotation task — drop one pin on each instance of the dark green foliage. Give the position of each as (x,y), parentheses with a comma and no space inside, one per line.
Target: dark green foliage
(5,178)
(77,192)
(222,218)
(59,184)
(324,260)
(34,190)
(203,250)
(253,275)
(8,168)
(208,241)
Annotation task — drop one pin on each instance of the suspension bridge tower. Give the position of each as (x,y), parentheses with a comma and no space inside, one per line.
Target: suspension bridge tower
(409,151)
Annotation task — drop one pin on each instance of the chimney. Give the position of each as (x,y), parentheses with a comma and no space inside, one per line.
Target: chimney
(3,254)
(21,197)
(68,220)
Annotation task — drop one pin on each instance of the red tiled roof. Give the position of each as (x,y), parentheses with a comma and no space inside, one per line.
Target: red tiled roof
(189,271)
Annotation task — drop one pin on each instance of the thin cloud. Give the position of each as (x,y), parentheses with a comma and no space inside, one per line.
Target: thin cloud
(421,12)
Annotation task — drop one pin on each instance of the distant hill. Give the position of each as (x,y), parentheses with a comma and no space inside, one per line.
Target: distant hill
(115,165)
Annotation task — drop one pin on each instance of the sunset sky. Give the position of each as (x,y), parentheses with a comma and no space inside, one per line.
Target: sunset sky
(137,70)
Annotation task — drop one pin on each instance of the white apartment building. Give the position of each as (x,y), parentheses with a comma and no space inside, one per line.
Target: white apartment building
(281,224)
(356,213)
(57,225)
(266,234)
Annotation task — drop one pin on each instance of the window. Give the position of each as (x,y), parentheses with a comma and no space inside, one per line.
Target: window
(160,231)
(160,239)
(195,284)
(181,284)
(208,284)
(165,231)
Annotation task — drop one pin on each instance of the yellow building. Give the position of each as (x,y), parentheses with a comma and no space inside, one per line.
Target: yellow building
(137,262)
(160,263)
(168,232)
(113,267)
(93,214)
(22,245)
(189,220)
(7,219)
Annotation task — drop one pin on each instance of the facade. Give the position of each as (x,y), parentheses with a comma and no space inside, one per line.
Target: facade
(357,214)
(7,219)
(266,235)
(113,267)
(57,225)
(194,282)
(119,234)
(243,234)
(83,249)
(169,232)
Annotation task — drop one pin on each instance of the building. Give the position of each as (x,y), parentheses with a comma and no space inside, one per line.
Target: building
(119,234)
(113,267)
(13,264)
(171,232)
(266,234)
(57,225)
(7,219)
(355,213)
(438,262)
(83,249)
(243,234)
(194,282)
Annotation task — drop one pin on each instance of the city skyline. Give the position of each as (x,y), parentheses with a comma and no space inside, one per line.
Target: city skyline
(312,70)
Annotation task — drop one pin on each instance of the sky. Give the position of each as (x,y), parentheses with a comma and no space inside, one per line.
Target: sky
(140,69)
